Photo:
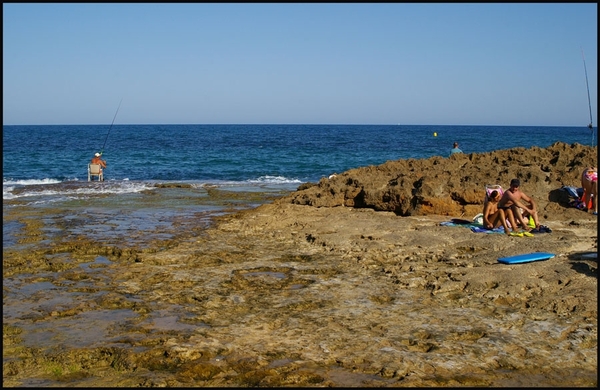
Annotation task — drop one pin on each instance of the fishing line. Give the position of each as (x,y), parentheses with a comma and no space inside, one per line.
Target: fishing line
(113,121)
(590,126)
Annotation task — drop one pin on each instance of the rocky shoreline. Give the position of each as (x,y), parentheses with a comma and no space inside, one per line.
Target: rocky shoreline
(351,281)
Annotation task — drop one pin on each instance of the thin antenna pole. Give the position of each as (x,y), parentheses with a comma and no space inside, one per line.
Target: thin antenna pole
(590,126)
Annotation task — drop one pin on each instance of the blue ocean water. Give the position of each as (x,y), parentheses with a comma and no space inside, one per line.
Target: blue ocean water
(239,155)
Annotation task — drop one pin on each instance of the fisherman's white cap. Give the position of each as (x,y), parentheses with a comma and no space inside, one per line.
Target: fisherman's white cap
(97,154)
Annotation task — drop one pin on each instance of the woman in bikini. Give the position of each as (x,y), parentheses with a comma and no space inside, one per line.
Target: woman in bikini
(589,182)
(492,215)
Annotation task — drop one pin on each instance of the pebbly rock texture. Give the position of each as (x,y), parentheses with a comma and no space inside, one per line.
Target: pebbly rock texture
(455,185)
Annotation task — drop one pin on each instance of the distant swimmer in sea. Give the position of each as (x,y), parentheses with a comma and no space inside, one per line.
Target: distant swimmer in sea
(589,183)
(455,149)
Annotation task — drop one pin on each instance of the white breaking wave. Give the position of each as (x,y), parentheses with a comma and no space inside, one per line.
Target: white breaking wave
(275,180)
(49,188)
(31,182)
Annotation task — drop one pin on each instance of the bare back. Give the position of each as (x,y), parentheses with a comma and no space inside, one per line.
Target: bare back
(99,161)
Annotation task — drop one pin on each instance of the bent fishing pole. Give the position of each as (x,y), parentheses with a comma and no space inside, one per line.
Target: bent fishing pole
(111,125)
(590,126)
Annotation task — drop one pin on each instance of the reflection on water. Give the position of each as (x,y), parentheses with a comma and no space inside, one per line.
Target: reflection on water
(9,231)
(86,329)
(100,261)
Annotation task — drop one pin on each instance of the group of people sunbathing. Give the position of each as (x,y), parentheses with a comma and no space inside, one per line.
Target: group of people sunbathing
(514,207)
(519,210)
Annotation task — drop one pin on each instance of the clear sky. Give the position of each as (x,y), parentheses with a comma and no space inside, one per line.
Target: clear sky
(294,63)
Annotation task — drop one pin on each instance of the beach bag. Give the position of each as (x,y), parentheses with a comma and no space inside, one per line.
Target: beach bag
(575,196)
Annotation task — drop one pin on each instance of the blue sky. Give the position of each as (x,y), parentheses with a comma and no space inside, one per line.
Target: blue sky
(294,63)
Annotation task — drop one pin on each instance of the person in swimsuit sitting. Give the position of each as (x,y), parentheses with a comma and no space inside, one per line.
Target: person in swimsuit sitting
(512,200)
(492,215)
(589,182)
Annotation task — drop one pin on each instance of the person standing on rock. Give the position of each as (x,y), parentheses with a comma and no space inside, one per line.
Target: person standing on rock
(589,183)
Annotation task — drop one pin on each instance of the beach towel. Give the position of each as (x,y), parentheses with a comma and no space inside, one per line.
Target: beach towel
(480,229)
(473,226)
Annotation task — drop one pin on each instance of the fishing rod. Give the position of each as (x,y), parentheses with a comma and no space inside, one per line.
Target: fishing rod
(590,126)
(111,125)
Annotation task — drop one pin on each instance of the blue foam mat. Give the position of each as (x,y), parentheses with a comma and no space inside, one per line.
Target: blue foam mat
(526,258)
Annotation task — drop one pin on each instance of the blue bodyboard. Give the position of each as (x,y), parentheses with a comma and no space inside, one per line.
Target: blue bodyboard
(526,258)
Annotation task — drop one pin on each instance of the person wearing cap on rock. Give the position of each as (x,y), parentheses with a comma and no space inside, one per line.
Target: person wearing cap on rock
(512,200)
(97,160)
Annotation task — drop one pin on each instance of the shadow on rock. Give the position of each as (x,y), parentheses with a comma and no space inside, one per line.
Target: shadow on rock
(585,263)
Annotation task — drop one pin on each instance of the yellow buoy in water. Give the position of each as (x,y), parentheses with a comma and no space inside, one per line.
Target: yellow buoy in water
(435,134)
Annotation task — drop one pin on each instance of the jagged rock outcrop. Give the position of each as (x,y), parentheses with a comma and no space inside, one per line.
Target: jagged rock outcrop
(454,185)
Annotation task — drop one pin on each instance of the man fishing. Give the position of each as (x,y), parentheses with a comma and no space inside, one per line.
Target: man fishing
(97,160)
